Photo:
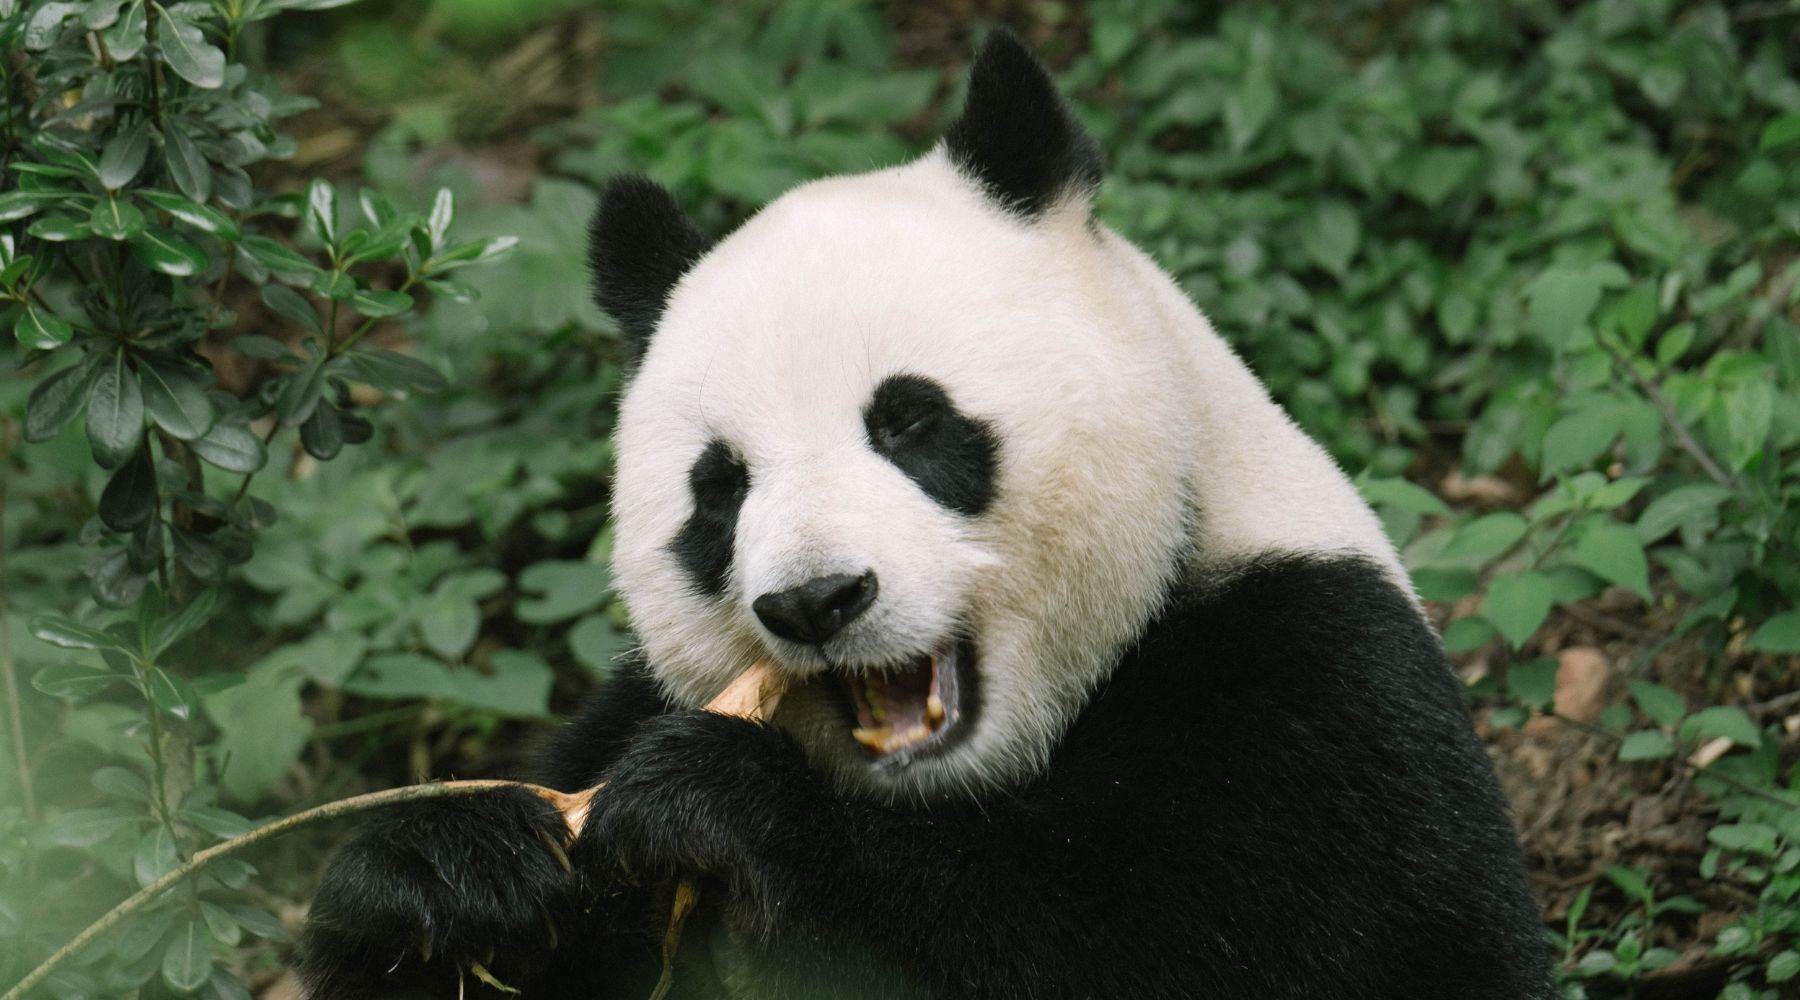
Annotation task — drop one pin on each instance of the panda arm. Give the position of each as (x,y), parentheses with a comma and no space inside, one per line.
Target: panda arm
(429,888)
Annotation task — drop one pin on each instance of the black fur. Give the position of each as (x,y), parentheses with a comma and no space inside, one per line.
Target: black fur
(1016,137)
(952,457)
(717,482)
(1277,794)
(640,243)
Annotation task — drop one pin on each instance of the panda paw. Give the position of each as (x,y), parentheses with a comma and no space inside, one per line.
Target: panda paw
(700,795)
(441,898)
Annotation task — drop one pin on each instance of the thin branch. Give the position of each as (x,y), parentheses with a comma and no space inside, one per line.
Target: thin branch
(1683,436)
(330,810)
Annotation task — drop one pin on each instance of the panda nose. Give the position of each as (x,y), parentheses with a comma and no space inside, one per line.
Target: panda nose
(817,609)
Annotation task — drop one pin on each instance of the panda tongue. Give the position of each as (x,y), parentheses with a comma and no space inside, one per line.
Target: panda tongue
(896,710)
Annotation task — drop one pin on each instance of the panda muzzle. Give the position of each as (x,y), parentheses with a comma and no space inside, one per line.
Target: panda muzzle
(900,709)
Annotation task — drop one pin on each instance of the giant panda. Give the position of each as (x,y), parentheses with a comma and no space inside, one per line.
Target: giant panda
(1105,683)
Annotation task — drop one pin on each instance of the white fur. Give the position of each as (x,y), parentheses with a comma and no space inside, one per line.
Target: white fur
(1136,450)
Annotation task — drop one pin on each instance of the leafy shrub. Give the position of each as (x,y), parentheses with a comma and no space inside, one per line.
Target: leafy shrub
(134,242)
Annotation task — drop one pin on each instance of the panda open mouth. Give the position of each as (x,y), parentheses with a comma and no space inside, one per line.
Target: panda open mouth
(915,709)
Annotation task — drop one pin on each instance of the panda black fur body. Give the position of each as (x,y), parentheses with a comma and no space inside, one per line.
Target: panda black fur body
(1204,743)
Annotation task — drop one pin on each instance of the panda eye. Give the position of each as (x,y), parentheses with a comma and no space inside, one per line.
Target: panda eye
(907,427)
(719,480)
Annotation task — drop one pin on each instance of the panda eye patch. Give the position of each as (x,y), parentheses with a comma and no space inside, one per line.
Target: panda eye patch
(952,457)
(718,481)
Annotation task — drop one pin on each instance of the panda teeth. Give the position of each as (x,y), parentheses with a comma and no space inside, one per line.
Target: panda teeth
(934,706)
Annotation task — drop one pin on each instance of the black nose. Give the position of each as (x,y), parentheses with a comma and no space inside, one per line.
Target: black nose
(817,609)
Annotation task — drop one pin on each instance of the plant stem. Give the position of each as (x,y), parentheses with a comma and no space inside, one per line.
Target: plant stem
(330,810)
(1666,410)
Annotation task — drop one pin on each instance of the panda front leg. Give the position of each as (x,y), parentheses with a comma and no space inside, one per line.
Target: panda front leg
(442,898)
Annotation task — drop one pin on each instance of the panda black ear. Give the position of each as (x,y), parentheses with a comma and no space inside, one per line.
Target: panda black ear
(1017,137)
(639,245)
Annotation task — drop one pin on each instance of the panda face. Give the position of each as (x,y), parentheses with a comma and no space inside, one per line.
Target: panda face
(937,444)
(912,463)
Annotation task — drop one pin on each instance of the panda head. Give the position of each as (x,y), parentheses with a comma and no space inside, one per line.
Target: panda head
(925,437)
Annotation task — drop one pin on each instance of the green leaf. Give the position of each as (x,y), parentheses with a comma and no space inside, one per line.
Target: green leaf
(1329,234)
(1486,536)
(1401,495)
(443,212)
(558,590)
(115,414)
(155,855)
(1780,634)
(258,921)
(393,372)
(231,447)
(129,499)
(202,217)
(46,24)
(162,249)
(276,257)
(1534,682)
(596,643)
(1470,632)
(293,307)
(125,38)
(61,228)
(115,219)
(519,685)
(220,925)
(449,624)
(266,348)
(1517,604)
(124,155)
(188,53)
(172,694)
(1248,108)
(1677,507)
(1663,706)
(15,205)
(87,827)
(187,961)
(1612,551)
(187,167)
(41,330)
(1781,131)
(473,252)
(1785,965)
(176,400)
(71,635)
(1562,297)
(322,433)
(173,628)
(1579,438)
(56,400)
(1722,720)
(74,680)
(1646,744)
(300,395)
(263,730)
(380,304)
(321,201)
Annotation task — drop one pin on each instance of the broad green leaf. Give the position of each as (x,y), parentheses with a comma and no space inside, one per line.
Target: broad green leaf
(1330,233)
(202,217)
(558,590)
(176,399)
(129,499)
(596,643)
(322,433)
(62,632)
(394,372)
(1401,495)
(125,38)
(116,220)
(15,205)
(1663,706)
(1780,131)
(277,257)
(187,167)
(188,53)
(1248,108)
(1677,507)
(41,330)
(449,624)
(162,249)
(220,925)
(155,855)
(1516,603)
(61,228)
(519,684)
(473,252)
(230,447)
(1722,720)
(46,23)
(334,285)
(1780,634)
(172,694)
(266,348)
(87,827)
(1534,682)
(1486,536)
(56,400)
(187,960)
(263,730)
(1786,964)
(1647,744)
(1468,633)
(1579,438)
(1562,297)
(124,155)
(300,395)
(293,307)
(74,680)
(115,413)
(175,627)
(1612,551)
(380,304)
(321,201)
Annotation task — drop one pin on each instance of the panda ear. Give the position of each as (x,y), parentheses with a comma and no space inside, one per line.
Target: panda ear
(1017,137)
(639,245)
